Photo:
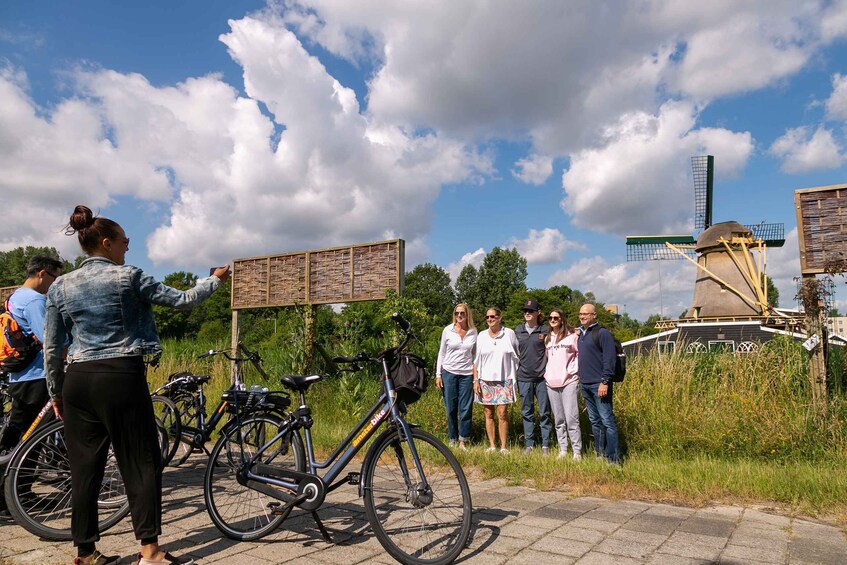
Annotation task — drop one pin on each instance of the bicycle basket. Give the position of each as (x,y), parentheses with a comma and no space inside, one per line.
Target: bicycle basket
(410,377)
(184,386)
(255,400)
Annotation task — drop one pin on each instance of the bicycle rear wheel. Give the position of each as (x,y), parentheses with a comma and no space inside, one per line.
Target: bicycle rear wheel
(239,512)
(167,417)
(38,486)
(416,525)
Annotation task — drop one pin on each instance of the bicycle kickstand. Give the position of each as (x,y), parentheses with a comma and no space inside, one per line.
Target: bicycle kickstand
(321,526)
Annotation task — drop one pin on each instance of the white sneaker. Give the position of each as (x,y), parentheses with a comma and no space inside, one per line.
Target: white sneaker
(562,455)
(490,449)
(577,456)
(504,451)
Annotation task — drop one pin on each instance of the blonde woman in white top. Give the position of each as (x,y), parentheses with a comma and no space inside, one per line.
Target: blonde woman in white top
(495,365)
(454,373)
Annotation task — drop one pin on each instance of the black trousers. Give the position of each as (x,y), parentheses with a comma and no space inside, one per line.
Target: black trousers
(106,402)
(28,398)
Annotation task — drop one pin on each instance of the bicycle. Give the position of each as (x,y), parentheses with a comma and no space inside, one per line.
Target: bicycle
(416,497)
(37,479)
(38,482)
(186,392)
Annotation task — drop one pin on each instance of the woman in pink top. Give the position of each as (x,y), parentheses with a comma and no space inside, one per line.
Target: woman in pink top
(563,382)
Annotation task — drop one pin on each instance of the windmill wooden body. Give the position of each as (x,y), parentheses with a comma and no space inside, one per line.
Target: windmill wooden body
(730,257)
(729,308)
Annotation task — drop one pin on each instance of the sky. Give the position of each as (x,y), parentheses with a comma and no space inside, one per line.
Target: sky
(221,129)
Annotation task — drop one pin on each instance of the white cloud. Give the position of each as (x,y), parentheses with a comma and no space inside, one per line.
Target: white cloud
(544,246)
(744,52)
(234,186)
(783,267)
(836,105)
(471,68)
(637,183)
(535,169)
(474,258)
(639,288)
(801,152)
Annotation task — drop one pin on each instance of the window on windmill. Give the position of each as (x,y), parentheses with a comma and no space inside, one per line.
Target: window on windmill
(666,346)
(722,346)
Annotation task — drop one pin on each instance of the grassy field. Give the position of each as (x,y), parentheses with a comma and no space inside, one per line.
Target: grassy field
(712,428)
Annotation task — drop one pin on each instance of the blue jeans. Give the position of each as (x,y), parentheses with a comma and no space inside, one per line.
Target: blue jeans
(458,400)
(529,391)
(603,424)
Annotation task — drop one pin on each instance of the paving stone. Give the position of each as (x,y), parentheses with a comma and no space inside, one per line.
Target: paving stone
(599,525)
(707,526)
(597,558)
(654,524)
(513,524)
(744,554)
(568,531)
(818,551)
(562,546)
(533,557)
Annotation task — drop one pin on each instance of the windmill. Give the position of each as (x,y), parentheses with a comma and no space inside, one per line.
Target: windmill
(730,281)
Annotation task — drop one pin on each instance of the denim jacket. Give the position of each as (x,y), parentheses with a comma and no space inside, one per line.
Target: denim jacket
(107,311)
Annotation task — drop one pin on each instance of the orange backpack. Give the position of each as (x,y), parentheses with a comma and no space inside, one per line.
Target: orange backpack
(17,348)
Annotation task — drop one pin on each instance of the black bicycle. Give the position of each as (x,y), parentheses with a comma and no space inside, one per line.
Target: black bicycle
(186,392)
(415,494)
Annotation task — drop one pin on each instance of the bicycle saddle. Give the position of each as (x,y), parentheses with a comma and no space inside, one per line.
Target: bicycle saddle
(300,382)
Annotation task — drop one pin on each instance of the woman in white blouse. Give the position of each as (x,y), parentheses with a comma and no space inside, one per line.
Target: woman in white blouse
(495,365)
(454,373)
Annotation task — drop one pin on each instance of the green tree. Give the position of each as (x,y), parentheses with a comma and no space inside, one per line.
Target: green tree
(773,293)
(169,321)
(467,286)
(13,263)
(430,285)
(502,273)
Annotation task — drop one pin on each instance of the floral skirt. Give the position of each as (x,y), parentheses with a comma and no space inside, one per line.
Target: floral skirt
(495,393)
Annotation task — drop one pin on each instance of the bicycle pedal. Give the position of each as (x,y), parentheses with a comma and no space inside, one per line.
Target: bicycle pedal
(353,478)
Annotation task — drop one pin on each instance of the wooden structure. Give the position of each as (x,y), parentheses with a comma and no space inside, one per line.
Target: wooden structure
(6,292)
(822,236)
(335,275)
(324,276)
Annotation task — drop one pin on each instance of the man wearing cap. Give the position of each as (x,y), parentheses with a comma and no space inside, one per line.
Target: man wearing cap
(531,384)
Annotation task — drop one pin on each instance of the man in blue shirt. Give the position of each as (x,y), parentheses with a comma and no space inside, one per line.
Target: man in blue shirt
(28,388)
(596,367)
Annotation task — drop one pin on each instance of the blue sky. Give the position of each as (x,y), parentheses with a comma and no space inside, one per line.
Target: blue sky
(222,129)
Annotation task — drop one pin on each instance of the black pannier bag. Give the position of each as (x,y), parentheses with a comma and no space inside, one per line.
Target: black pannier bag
(410,377)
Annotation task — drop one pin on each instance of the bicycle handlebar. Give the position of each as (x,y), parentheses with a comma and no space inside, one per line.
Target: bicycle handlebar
(254,358)
(365,357)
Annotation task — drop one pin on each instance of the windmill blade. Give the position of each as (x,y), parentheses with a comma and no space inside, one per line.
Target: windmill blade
(772,234)
(655,248)
(703,171)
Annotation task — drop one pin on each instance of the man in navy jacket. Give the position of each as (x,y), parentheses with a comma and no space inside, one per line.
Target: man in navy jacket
(596,367)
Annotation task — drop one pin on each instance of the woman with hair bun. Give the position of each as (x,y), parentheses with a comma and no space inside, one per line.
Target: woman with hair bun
(105,308)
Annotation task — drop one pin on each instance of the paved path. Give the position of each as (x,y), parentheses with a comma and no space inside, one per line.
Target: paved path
(513,524)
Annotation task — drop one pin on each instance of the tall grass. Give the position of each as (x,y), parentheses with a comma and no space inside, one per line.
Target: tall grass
(730,406)
(694,428)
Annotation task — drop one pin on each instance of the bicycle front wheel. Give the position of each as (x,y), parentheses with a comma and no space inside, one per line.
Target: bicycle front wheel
(188,409)
(239,512)
(416,524)
(38,486)
(167,418)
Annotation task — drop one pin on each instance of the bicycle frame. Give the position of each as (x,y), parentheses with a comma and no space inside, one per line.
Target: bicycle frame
(384,409)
